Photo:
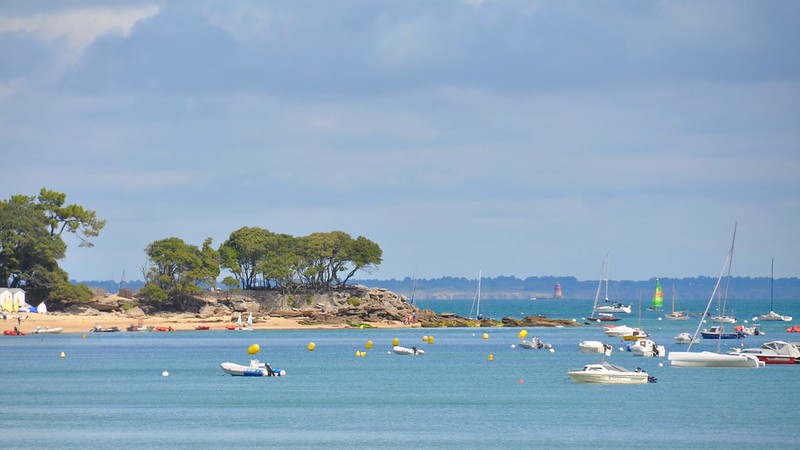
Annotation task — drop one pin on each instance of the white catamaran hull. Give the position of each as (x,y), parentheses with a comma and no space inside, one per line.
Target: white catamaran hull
(711,359)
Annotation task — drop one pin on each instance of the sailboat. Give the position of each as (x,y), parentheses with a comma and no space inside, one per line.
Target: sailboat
(712,359)
(413,288)
(658,298)
(772,315)
(477,299)
(610,306)
(675,315)
(599,315)
(249,326)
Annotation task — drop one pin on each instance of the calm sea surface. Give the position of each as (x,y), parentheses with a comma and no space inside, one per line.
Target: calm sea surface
(109,392)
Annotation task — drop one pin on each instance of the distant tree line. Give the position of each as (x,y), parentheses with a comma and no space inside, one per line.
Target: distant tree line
(753,288)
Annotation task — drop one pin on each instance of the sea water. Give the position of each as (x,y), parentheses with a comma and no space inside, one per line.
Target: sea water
(466,391)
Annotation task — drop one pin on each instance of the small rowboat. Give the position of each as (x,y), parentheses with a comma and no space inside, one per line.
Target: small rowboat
(202,328)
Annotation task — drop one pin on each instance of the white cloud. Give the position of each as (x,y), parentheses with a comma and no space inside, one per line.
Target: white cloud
(76,30)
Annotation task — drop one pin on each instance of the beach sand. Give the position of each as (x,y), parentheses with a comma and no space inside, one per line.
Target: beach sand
(179,322)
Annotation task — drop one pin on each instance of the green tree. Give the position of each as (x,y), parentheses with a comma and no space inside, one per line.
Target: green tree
(31,243)
(178,271)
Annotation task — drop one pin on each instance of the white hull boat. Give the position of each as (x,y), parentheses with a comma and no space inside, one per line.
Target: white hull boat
(595,347)
(686,338)
(47,330)
(534,344)
(774,352)
(711,359)
(722,319)
(407,351)
(255,369)
(774,317)
(618,331)
(647,348)
(624,309)
(607,373)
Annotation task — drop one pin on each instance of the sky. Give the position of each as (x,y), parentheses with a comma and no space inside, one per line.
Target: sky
(516,138)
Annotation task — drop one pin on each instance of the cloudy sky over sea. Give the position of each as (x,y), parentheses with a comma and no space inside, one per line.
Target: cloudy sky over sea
(513,137)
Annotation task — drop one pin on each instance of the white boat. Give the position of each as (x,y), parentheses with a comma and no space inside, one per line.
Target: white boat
(607,373)
(534,343)
(711,359)
(773,352)
(675,315)
(647,348)
(723,319)
(407,351)
(618,330)
(477,300)
(772,315)
(47,330)
(595,347)
(604,313)
(686,338)
(255,369)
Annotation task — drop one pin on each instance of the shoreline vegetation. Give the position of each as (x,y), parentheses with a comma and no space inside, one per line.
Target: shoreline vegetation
(354,307)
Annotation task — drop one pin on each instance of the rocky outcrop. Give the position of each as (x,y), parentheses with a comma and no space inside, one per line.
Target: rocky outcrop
(355,306)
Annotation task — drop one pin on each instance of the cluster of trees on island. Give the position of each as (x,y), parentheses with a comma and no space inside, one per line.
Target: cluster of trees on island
(31,244)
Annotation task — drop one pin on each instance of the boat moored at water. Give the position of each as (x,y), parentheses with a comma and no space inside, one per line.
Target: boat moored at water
(607,373)
(718,332)
(686,338)
(47,330)
(255,369)
(595,347)
(711,359)
(773,352)
(407,351)
(647,348)
(535,344)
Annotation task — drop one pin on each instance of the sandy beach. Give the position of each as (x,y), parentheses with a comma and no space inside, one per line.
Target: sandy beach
(179,322)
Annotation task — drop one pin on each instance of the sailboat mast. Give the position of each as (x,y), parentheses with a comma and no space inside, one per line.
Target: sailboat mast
(771,283)
(478,311)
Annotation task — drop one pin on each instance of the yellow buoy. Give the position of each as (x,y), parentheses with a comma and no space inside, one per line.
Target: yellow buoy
(395,341)
(368,345)
(491,357)
(522,334)
(486,335)
(63,355)
(430,339)
(425,338)
(253,349)
(311,346)
(360,353)
(84,336)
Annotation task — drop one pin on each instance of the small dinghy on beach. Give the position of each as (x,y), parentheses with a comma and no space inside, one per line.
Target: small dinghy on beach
(255,369)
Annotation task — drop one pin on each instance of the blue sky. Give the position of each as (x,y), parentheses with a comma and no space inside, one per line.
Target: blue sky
(513,137)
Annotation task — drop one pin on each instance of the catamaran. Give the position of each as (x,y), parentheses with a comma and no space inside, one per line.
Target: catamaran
(658,298)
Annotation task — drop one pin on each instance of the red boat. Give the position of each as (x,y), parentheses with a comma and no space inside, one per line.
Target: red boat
(13,333)
(774,352)
(202,328)
(164,329)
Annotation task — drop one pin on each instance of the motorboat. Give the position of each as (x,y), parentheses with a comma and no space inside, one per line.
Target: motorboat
(99,329)
(595,347)
(718,332)
(13,333)
(749,331)
(618,330)
(407,351)
(773,316)
(534,343)
(677,315)
(607,373)
(255,369)
(773,352)
(133,328)
(711,359)
(635,335)
(647,348)
(686,338)
(47,330)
